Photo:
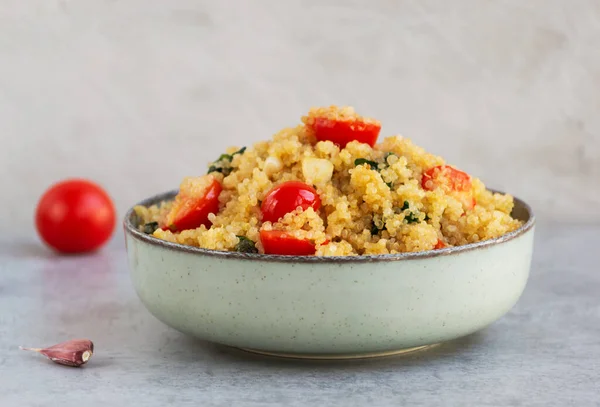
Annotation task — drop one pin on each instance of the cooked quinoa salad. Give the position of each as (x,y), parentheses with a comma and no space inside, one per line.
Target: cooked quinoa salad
(326,188)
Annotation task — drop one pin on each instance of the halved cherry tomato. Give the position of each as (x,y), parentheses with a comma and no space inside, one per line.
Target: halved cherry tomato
(455,181)
(278,242)
(468,201)
(439,245)
(285,198)
(341,132)
(197,198)
(342,125)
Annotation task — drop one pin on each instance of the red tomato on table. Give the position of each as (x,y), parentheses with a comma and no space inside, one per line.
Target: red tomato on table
(286,197)
(75,216)
(198,197)
(343,131)
(278,242)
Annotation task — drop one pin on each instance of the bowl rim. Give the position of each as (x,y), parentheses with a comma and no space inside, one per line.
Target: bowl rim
(165,196)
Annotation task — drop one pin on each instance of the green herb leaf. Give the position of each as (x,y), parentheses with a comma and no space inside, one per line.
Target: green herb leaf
(375,230)
(390,185)
(411,218)
(223,163)
(362,161)
(150,227)
(245,245)
(240,151)
(212,168)
(427,218)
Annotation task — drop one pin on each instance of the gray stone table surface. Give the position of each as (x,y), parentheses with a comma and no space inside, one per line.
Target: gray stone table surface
(545,352)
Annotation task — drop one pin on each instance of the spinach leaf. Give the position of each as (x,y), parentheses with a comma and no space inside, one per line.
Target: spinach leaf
(223,163)
(212,168)
(150,227)
(240,151)
(411,218)
(245,245)
(375,230)
(374,166)
(362,161)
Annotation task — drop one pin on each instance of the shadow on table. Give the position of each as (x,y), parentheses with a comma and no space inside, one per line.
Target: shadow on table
(221,353)
(26,250)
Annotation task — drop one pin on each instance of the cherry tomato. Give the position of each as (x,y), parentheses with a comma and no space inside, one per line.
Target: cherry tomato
(455,179)
(198,197)
(439,245)
(75,216)
(278,242)
(343,131)
(286,197)
(456,182)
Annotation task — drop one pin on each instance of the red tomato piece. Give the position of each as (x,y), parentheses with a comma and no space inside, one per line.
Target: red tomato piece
(468,202)
(285,198)
(75,216)
(439,245)
(455,181)
(278,242)
(343,131)
(198,197)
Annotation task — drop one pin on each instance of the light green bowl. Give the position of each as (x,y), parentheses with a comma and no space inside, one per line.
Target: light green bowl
(330,307)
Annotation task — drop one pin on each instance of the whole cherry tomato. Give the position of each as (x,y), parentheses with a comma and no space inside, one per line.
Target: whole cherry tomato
(286,197)
(278,242)
(198,197)
(75,216)
(343,131)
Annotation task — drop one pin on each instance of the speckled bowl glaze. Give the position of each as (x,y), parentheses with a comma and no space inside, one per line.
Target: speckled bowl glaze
(330,307)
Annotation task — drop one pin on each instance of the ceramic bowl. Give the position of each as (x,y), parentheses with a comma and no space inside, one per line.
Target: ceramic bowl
(330,307)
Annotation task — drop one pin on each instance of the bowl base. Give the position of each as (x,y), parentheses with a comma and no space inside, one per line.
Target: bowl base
(324,356)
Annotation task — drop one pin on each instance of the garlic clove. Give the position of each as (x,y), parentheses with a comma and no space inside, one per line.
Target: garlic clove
(74,353)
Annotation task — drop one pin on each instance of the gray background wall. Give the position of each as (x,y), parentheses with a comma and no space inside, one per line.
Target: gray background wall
(139,93)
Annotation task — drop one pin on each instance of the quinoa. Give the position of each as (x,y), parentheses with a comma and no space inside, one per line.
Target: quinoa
(392,197)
